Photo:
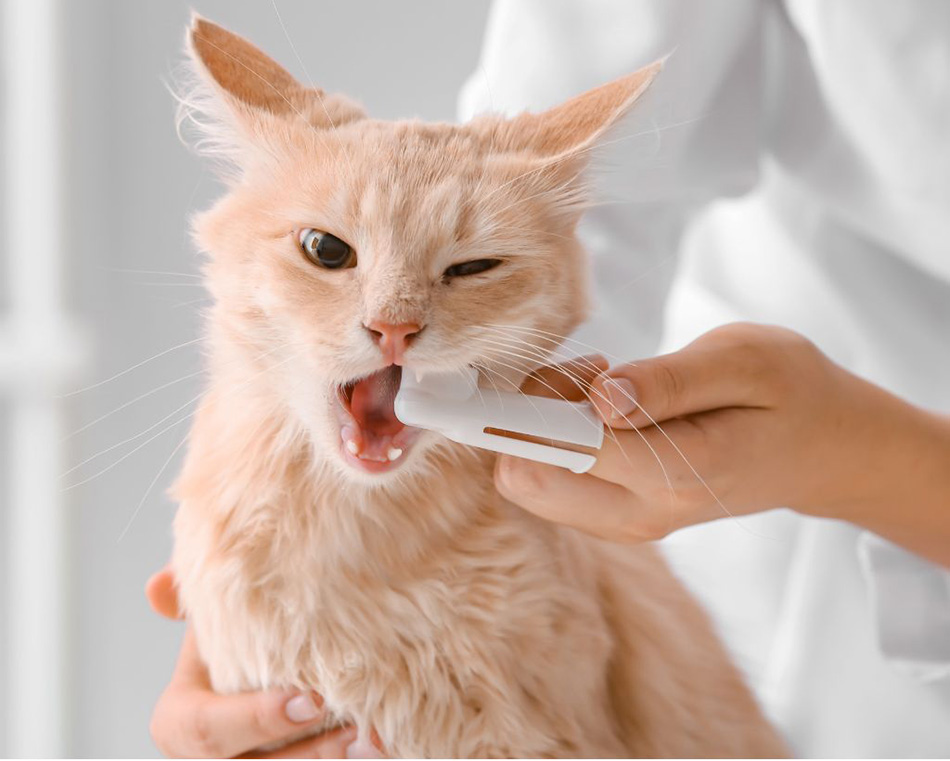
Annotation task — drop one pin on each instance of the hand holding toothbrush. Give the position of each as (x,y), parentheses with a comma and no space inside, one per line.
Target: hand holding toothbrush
(744,419)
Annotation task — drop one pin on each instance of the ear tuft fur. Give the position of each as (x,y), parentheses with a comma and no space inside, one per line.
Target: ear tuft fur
(557,144)
(236,98)
(577,124)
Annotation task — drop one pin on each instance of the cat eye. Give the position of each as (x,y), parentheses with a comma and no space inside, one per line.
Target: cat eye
(474,267)
(326,250)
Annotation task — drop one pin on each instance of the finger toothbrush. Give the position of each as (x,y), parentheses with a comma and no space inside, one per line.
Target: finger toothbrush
(552,431)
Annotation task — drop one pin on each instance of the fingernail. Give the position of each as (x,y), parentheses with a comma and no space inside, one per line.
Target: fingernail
(363,749)
(301,708)
(621,395)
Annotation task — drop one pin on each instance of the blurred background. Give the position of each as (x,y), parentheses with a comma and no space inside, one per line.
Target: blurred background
(100,311)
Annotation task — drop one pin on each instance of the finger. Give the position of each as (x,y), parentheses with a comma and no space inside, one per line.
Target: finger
(239,721)
(366,747)
(223,726)
(581,501)
(162,594)
(701,377)
(569,380)
(332,744)
(701,467)
(650,458)
(193,721)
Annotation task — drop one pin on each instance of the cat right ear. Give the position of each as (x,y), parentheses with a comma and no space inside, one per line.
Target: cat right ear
(240,99)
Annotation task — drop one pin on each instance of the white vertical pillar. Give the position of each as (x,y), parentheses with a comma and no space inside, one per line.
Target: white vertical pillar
(36,361)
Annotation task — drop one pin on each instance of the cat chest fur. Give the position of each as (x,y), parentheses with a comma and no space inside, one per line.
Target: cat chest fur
(483,636)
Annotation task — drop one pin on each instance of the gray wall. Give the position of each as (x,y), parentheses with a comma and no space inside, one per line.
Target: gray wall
(132,187)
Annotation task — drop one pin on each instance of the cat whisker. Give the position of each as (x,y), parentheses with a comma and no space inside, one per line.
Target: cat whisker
(130,439)
(684,458)
(313,86)
(573,154)
(491,374)
(148,491)
(665,260)
(610,431)
(181,304)
(160,388)
(124,457)
(130,369)
(169,284)
(510,230)
(587,390)
(675,447)
(546,355)
(164,419)
(496,215)
(529,365)
(478,390)
(526,369)
(491,143)
(129,403)
(164,467)
(554,338)
(125,271)
(527,396)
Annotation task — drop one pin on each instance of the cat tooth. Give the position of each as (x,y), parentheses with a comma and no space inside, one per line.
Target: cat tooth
(394,453)
(352,447)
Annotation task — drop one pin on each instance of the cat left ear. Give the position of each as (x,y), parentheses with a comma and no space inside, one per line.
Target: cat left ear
(580,122)
(243,94)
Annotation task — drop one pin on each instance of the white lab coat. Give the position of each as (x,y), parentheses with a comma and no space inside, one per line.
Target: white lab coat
(790,165)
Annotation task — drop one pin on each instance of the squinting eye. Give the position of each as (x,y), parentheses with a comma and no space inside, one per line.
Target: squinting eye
(471,268)
(326,250)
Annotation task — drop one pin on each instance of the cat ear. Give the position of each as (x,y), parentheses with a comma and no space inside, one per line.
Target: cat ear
(580,122)
(549,152)
(242,96)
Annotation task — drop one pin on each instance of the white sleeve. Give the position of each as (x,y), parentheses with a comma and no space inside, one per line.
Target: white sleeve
(910,602)
(694,137)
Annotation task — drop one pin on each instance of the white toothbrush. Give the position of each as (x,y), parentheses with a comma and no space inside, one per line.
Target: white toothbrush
(536,428)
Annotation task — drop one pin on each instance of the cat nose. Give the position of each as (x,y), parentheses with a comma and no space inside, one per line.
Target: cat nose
(393,339)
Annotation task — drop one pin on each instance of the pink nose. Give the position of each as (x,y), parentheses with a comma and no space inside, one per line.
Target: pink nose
(393,339)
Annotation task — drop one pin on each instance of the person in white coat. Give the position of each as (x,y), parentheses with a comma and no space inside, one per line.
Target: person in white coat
(790,165)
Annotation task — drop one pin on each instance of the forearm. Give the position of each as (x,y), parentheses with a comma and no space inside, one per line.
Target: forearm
(913,506)
(897,481)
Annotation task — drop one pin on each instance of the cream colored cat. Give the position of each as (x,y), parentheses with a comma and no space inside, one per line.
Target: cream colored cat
(319,543)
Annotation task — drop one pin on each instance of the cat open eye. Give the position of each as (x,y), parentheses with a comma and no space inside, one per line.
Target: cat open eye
(326,250)
(474,267)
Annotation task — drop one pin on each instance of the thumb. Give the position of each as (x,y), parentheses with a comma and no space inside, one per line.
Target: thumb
(163,595)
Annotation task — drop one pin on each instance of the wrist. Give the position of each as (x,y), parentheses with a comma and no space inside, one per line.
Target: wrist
(888,470)
(912,504)
(868,439)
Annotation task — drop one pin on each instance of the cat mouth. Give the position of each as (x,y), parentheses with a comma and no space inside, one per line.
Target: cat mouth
(372,438)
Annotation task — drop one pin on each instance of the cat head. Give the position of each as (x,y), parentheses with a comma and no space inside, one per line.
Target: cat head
(348,250)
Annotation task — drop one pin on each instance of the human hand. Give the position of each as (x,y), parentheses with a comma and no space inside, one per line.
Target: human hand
(745,418)
(192,721)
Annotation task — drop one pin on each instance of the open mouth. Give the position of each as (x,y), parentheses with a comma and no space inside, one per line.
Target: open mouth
(371,436)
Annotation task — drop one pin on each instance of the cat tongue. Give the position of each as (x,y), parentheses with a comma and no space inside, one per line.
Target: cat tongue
(372,400)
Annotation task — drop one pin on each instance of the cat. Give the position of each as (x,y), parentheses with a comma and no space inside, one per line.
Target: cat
(320,544)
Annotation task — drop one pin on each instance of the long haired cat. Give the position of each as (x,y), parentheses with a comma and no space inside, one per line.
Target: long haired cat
(322,545)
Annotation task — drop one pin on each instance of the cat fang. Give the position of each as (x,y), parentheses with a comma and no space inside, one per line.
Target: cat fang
(372,439)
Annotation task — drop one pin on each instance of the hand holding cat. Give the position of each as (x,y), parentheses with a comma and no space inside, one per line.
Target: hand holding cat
(744,419)
(192,721)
